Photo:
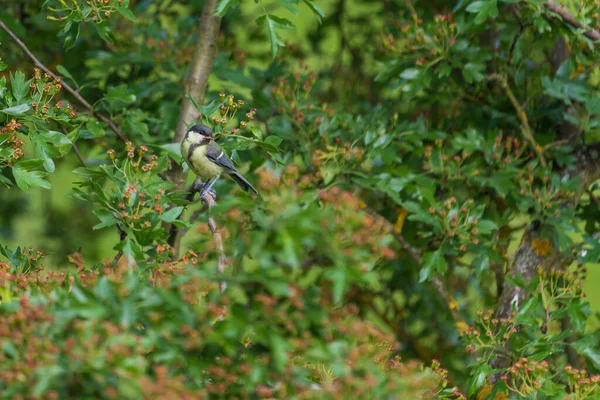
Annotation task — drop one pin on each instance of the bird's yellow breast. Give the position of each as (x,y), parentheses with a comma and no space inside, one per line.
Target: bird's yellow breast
(198,162)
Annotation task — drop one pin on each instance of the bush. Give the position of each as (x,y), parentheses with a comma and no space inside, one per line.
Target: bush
(427,214)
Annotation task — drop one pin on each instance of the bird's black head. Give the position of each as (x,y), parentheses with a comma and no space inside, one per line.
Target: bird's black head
(201,130)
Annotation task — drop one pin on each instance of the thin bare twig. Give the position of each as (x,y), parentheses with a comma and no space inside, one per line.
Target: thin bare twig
(521,115)
(571,20)
(415,254)
(122,236)
(513,45)
(75,148)
(412,10)
(73,92)
(209,202)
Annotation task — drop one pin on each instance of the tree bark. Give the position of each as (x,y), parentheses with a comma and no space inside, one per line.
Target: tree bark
(197,82)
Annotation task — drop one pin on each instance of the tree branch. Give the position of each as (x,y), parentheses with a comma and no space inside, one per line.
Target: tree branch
(197,82)
(415,254)
(209,202)
(68,88)
(522,115)
(571,20)
(530,255)
(122,236)
(75,148)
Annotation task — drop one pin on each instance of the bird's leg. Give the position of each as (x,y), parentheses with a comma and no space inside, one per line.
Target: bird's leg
(207,188)
(197,185)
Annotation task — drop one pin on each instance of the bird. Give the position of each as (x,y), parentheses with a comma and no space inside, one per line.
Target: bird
(208,160)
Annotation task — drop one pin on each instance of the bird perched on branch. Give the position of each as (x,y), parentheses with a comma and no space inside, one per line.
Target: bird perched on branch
(208,160)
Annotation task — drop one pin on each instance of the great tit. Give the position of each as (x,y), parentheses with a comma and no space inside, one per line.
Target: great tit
(208,160)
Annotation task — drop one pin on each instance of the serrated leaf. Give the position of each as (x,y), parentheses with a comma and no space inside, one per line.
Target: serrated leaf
(588,347)
(19,87)
(17,110)
(432,262)
(26,177)
(271,24)
(106,218)
(578,312)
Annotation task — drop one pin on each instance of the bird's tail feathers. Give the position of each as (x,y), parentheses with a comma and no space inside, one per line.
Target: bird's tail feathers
(242,182)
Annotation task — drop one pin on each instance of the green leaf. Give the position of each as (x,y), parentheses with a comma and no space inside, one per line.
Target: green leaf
(486,226)
(410,74)
(130,249)
(4,180)
(45,377)
(588,347)
(273,140)
(17,110)
(71,37)
(432,262)
(473,72)
(90,172)
(272,22)
(3,66)
(172,214)
(315,9)
(106,217)
(20,88)
(45,152)
(289,5)
(173,150)
(529,312)
(339,279)
(481,263)
(119,96)
(256,132)
(478,380)
(105,32)
(278,346)
(224,5)
(484,10)
(65,73)
(127,13)
(56,138)
(26,177)
(578,312)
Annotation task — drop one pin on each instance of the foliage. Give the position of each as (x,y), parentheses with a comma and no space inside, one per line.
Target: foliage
(406,185)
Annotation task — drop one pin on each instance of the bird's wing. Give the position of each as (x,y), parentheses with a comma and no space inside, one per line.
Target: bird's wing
(218,156)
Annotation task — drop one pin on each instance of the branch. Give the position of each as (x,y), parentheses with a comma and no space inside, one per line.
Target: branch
(588,163)
(411,8)
(516,39)
(209,202)
(122,236)
(68,88)
(521,114)
(195,87)
(415,254)
(571,20)
(75,148)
